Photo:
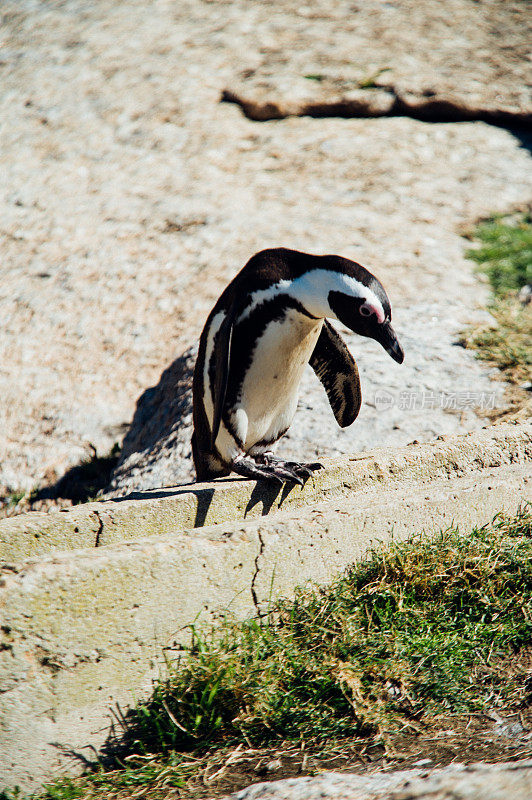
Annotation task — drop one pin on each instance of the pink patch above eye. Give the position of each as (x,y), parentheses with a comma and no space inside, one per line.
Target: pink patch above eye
(367,309)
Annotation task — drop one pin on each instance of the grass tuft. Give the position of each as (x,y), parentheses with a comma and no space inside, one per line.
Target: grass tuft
(420,629)
(414,630)
(318,77)
(504,255)
(508,344)
(505,251)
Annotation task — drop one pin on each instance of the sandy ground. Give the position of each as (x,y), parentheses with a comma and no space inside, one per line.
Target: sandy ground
(130,195)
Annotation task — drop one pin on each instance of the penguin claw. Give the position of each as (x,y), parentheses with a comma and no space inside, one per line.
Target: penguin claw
(288,470)
(286,473)
(250,469)
(269,470)
(303,469)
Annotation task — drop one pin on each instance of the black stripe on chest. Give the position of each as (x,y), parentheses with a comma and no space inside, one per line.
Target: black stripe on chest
(246,335)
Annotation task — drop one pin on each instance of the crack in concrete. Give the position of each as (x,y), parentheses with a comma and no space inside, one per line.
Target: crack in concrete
(100,528)
(256,573)
(421,107)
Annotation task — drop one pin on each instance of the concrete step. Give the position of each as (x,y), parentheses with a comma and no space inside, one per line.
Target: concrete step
(85,630)
(159,513)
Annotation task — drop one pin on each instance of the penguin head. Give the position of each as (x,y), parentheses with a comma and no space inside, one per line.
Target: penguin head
(367,313)
(336,287)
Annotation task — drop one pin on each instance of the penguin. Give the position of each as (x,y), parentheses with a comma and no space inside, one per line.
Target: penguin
(269,322)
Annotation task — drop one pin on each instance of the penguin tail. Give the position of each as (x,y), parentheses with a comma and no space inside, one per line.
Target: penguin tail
(207,465)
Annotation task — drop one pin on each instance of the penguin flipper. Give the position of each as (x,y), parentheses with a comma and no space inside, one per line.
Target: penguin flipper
(222,348)
(336,368)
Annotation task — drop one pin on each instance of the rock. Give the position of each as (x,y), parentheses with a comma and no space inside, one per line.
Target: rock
(455,782)
(131,195)
(423,67)
(262,105)
(525,294)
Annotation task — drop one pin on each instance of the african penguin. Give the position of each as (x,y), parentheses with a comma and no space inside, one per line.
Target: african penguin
(267,325)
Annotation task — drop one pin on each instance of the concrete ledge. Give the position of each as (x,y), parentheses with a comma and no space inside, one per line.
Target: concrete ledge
(165,511)
(85,630)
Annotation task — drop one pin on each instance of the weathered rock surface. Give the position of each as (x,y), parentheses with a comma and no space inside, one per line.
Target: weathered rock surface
(455,782)
(453,61)
(130,195)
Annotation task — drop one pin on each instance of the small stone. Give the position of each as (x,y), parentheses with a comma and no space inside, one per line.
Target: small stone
(273,766)
(525,294)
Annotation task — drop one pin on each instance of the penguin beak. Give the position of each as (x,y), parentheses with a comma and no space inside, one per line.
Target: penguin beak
(388,339)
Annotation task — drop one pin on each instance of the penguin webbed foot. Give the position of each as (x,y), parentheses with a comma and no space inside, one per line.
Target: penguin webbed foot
(266,467)
(249,468)
(299,472)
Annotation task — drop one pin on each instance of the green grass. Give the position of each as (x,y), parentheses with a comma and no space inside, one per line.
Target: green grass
(505,251)
(420,629)
(504,255)
(371,81)
(411,631)
(13,498)
(508,344)
(318,77)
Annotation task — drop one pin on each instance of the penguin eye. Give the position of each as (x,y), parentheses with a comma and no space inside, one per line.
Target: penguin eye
(366,311)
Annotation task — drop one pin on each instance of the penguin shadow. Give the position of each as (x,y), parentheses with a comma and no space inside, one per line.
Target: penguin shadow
(267,494)
(203,497)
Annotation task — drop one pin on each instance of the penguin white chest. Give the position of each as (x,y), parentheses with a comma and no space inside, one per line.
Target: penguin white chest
(270,388)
